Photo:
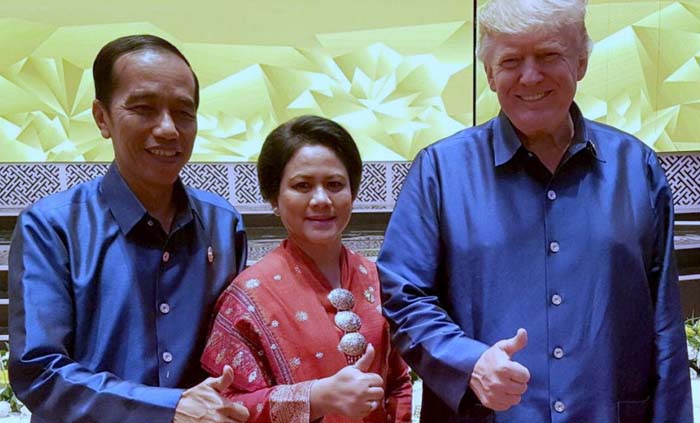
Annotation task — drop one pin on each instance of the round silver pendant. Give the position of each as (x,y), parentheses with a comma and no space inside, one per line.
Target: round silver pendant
(353,344)
(342,299)
(348,321)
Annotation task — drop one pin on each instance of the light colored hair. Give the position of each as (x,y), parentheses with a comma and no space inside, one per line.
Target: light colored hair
(526,16)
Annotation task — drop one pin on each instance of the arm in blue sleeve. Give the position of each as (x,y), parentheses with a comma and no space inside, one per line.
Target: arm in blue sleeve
(241,245)
(42,334)
(671,399)
(409,267)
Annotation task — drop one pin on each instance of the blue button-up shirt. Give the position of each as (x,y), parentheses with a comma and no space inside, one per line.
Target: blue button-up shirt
(108,313)
(485,240)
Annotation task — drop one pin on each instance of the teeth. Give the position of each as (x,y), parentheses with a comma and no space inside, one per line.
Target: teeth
(163,153)
(533,97)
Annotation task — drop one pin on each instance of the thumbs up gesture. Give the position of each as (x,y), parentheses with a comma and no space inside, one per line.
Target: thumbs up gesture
(352,392)
(497,380)
(204,403)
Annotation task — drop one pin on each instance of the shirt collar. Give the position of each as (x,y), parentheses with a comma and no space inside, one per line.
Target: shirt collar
(506,142)
(128,210)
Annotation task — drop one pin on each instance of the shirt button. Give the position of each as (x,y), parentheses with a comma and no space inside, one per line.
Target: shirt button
(164,308)
(559,407)
(551,195)
(554,247)
(149,222)
(558,353)
(166,257)
(167,357)
(556,299)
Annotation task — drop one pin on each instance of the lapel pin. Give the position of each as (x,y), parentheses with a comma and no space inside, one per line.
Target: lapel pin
(210,254)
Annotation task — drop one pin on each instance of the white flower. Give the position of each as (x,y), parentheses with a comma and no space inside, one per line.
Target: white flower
(5,408)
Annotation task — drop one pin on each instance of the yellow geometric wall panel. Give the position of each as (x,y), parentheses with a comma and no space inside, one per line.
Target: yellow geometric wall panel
(644,74)
(398,77)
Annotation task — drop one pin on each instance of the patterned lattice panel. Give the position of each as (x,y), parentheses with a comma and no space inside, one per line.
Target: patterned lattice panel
(246,193)
(23,184)
(82,172)
(373,188)
(683,173)
(207,177)
(399,170)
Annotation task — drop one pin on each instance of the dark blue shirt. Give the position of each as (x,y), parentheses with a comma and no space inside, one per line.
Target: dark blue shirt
(485,240)
(108,313)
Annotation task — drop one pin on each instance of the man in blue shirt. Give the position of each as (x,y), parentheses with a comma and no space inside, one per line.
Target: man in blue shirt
(527,270)
(112,282)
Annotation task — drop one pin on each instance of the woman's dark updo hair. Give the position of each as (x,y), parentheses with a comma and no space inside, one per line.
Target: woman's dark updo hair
(284,141)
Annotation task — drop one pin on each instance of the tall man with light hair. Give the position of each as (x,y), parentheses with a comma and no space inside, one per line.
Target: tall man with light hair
(537,283)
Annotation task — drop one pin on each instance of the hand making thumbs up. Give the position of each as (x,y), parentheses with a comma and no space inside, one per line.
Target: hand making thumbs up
(352,392)
(497,380)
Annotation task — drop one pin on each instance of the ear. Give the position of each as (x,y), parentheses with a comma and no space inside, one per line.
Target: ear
(582,66)
(101,116)
(489,77)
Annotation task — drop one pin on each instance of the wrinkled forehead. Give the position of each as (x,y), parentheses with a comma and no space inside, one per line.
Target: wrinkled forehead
(563,39)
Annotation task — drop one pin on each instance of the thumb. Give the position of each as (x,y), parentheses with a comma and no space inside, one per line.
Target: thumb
(514,344)
(365,362)
(222,382)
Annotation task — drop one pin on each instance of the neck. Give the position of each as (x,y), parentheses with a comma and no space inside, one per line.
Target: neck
(550,147)
(327,259)
(158,200)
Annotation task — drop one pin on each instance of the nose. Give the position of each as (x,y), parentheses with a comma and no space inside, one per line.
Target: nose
(531,73)
(165,127)
(320,197)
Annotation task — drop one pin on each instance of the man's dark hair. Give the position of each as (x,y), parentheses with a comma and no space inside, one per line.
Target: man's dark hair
(288,138)
(103,66)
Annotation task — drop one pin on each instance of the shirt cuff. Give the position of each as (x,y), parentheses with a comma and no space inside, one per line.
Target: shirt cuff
(291,403)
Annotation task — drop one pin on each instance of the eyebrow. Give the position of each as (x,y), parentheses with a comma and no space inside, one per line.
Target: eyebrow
(150,96)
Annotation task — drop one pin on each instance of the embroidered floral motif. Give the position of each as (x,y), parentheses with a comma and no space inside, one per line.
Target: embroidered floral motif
(319,355)
(252,283)
(295,362)
(277,277)
(379,308)
(220,356)
(369,296)
(228,311)
(290,403)
(237,360)
(252,376)
(274,323)
(362,269)
(251,308)
(302,316)
(259,408)
(273,346)
(297,268)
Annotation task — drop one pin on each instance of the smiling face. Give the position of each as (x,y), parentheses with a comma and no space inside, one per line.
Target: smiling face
(534,76)
(315,200)
(152,118)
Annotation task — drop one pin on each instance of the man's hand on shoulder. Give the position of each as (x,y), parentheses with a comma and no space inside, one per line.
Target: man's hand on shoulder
(204,404)
(497,380)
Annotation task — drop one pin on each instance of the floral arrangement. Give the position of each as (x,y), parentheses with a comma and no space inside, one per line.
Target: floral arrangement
(692,332)
(8,400)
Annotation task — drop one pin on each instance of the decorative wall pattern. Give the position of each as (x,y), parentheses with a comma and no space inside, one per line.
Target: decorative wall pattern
(22,184)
